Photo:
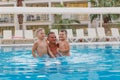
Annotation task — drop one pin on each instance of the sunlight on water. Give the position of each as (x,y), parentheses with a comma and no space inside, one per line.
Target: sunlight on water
(93,75)
(50,62)
(88,58)
(85,63)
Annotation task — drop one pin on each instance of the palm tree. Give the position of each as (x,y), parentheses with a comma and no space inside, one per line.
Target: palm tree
(105,3)
(66,24)
(63,23)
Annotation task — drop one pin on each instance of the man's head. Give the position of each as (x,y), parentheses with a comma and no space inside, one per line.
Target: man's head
(40,33)
(52,37)
(62,34)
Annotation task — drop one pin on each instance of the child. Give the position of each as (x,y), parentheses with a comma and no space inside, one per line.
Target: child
(40,46)
(64,46)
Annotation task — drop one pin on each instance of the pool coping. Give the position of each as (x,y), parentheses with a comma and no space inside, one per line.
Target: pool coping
(82,43)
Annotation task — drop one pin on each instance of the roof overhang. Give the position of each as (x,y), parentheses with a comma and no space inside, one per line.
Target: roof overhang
(56,10)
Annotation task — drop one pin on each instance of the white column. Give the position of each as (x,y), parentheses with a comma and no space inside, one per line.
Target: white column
(16,24)
(89,22)
(101,20)
(61,2)
(49,4)
(50,15)
(24,17)
(51,20)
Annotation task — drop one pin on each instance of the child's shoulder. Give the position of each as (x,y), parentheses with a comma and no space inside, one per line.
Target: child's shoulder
(67,42)
(36,42)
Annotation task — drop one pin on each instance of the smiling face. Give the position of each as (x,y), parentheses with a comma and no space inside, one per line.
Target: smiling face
(52,38)
(40,34)
(62,35)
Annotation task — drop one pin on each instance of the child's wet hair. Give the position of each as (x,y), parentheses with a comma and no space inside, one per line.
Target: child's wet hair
(63,30)
(40,29)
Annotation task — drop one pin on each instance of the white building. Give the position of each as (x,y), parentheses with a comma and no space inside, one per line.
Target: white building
(34,21)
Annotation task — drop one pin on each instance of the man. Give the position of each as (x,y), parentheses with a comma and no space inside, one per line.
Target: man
(52,44)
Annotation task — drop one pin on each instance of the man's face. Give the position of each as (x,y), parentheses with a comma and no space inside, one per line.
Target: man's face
(52,38)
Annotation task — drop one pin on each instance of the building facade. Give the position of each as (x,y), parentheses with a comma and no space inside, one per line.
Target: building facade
(34,21)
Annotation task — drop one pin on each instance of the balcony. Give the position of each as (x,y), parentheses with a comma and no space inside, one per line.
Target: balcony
(7,0)
(6,20)
(35,18)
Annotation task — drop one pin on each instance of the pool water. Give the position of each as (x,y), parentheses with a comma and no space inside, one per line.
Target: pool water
(85,63)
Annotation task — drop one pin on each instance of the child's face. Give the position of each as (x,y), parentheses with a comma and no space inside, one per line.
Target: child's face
(62,36)
(41,34)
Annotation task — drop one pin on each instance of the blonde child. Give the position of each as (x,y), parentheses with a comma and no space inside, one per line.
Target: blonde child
(40,46)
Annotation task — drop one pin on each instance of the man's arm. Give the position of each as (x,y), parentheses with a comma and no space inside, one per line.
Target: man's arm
(50,53)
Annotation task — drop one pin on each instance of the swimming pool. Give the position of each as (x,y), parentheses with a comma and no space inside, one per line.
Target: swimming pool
(87,62)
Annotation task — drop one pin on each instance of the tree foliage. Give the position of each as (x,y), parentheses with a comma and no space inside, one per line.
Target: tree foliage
(105,3)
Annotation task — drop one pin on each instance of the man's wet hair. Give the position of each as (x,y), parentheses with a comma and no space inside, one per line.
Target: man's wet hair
(50,33)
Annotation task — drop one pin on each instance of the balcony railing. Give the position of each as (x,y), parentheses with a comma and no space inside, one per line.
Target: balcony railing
(7,0)
(42,17)
(6,20)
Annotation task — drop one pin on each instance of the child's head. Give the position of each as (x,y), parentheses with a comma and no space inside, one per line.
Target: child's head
(63,35)
(40,33)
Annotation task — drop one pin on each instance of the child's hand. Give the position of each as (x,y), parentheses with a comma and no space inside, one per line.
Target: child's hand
(34,55)
(58,49)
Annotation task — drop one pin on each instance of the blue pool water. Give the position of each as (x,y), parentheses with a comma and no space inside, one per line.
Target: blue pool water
(85,63)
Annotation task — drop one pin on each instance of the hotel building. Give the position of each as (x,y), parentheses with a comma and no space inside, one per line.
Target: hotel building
(34,21)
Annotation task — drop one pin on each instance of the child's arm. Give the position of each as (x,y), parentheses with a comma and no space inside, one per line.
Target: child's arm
(33,49)
(66,48)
